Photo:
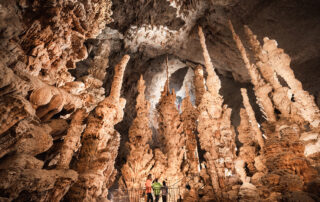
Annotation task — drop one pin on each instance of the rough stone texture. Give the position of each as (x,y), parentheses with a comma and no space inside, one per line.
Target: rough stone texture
(140,159)
(100,143)
(216,133)
(283,168)
(40,42)
(199,84)
(189,117)
(171,137)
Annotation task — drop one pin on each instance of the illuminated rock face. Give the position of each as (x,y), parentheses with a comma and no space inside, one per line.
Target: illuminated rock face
(100,143)
(189,117)
(283,168)
(171,137)
(43,108)
(140,159)
(216,134)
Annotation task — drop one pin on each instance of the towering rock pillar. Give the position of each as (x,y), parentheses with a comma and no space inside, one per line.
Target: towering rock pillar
(100,143)
(140,159)
(215,131)
(261,88)
(283,170)
(172,138)
(189,118)
(282,96)
(199,85)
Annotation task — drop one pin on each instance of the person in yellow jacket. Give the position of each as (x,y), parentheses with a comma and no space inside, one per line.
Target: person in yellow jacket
(156,186)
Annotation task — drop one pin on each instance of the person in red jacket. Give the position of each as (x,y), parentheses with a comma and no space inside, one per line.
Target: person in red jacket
(149,188)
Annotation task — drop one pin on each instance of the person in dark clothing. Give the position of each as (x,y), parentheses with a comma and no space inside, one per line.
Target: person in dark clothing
(148,188)
(164,190)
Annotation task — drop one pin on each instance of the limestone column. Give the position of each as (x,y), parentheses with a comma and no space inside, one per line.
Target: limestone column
(100,143)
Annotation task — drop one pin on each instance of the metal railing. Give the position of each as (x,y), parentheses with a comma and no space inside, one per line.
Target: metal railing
(139,195)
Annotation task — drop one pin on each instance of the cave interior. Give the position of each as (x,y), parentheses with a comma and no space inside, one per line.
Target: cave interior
(219,99)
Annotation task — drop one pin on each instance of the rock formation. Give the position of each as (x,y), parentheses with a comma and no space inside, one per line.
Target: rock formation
(261,88)
(140,159)
(283,169)
(100,143)
(171,137)
(251,137)
(56,39)
(72,140)
(215,132)
(281,95)
(189,118)
(199,84)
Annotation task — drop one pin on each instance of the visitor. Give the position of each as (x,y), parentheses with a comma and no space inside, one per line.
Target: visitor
(148,188)
(164,191)
(156,189)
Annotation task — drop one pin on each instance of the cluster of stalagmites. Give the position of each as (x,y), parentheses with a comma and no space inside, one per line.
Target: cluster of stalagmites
(57,136)
(278,161)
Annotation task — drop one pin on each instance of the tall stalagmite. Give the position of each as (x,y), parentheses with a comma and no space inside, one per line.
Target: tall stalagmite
(189,118)
(172,138)
(215,131)
(261,88)
(100,143)
(140,159)
(281,95)
(199,85)
(283,170)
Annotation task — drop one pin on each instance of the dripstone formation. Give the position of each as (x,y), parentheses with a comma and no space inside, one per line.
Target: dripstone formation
(63,115)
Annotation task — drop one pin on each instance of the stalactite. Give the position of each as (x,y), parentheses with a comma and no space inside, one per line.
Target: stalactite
(261,88)
(215,131)
(100,144)
(140,159)
(199,85)
(172,138)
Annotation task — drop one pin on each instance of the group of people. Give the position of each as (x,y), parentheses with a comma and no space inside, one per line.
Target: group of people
(157,188)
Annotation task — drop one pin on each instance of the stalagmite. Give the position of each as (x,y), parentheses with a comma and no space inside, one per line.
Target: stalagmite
(304,102)
(282,168)
(288,169)
(247,137)
(199,85)
(261,88)
(253,122)
(72,140)
(100,144)
(172,138)
(215,131)
(189,118)
(281,95)
(140,159)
